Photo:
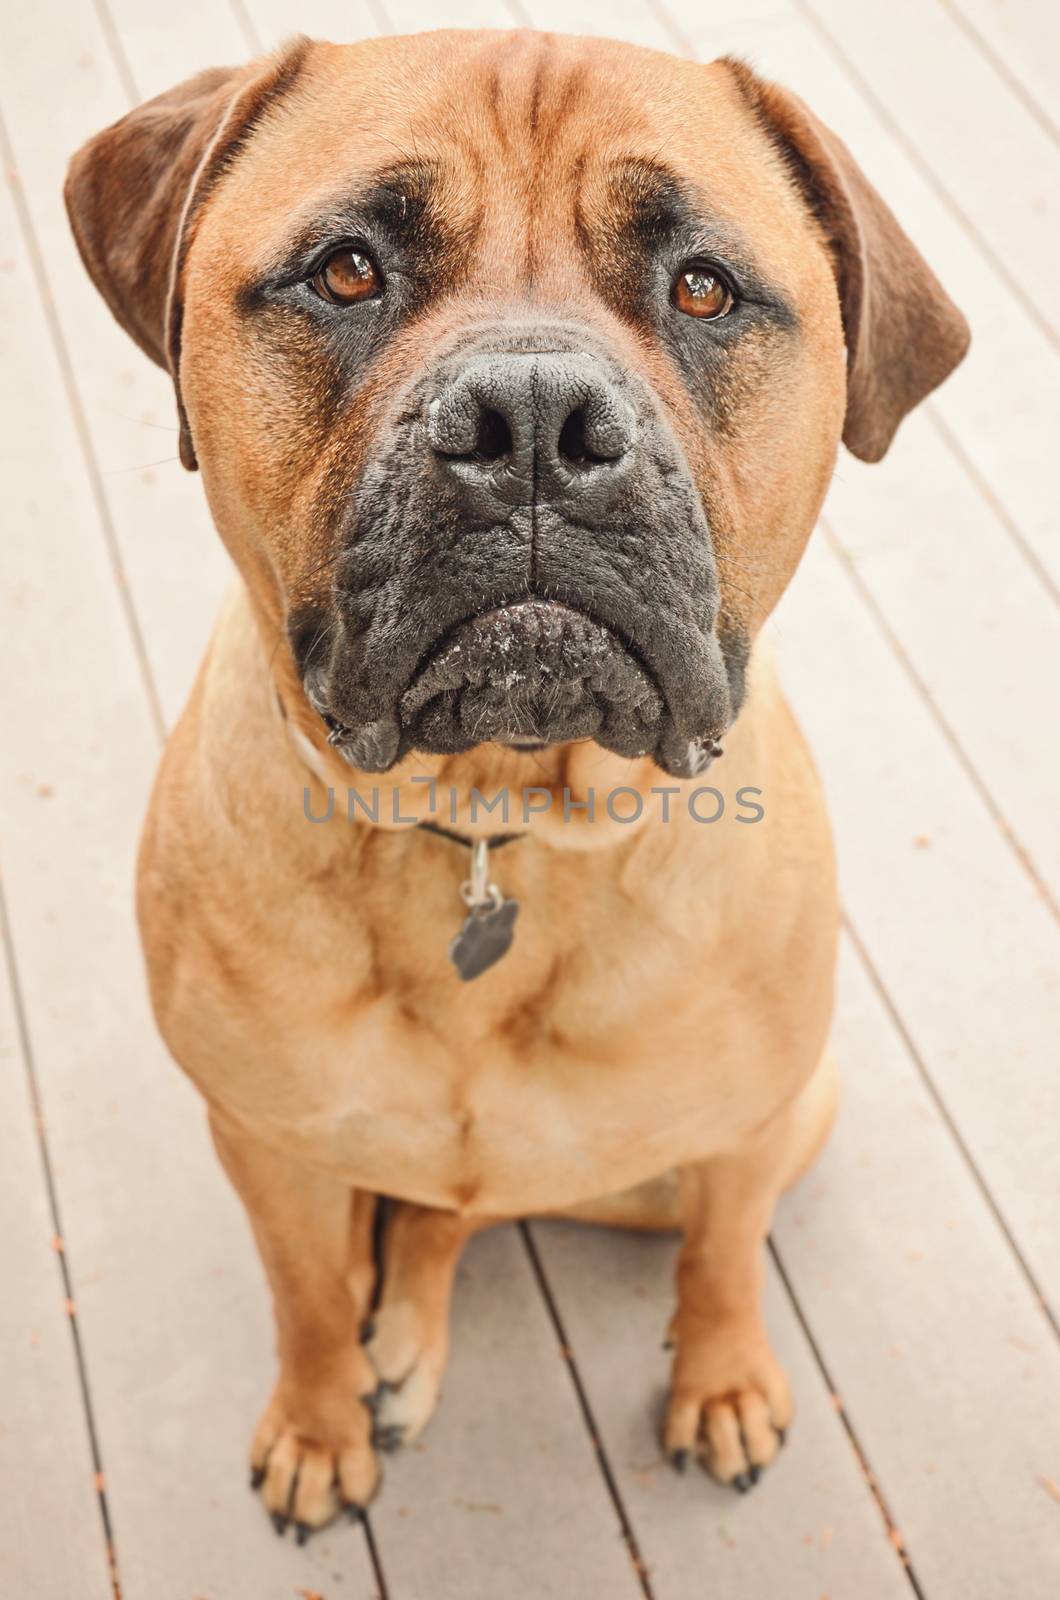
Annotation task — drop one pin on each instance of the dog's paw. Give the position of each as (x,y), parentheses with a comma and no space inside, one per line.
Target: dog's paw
(308,1475)
(729,1406)
(409,1362)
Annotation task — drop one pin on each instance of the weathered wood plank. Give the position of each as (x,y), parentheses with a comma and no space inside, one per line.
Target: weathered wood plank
(46,1465)
(961,939)
(1022,40)
(945,1364)
(159,53)
(633,20)
(994,159)
(412,16)
(341,21)
(173,564)
(927,546)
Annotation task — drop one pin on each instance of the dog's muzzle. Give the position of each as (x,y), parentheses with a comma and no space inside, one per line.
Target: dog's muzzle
(528,561)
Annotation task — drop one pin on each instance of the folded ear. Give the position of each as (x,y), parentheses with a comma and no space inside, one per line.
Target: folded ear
(133,192)
(903,332)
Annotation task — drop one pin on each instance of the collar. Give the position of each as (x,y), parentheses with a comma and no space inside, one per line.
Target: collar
(492,841)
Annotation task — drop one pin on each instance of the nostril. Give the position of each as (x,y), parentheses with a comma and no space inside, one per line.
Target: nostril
(573,446)
(597,433)
(494,438)
(460,427)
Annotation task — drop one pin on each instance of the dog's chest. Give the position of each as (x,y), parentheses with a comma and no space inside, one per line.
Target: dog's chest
(534,1087)
(612,1042)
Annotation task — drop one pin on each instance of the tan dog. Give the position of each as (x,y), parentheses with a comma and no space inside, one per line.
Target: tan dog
(516,368)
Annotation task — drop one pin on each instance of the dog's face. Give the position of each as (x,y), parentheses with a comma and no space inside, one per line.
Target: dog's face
(516,367)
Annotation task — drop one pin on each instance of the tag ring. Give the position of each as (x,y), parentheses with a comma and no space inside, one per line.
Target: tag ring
(478,892)
(478,902)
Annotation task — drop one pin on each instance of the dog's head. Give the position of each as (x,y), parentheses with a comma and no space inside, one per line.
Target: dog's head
(515,365)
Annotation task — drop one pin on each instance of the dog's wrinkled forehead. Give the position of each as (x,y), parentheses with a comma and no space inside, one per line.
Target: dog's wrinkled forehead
(525,161)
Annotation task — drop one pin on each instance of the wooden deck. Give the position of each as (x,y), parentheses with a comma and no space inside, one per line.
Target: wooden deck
(915,1275)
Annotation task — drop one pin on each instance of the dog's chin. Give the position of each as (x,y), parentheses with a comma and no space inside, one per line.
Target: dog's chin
(531,672)
(526,675)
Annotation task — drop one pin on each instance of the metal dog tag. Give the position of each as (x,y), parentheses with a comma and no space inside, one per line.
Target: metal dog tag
(485,937)
(489,928)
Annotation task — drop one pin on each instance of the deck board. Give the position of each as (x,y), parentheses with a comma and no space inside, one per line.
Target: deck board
(172,564)
(992,157)
(1021,39)
(632,20)
(407,16)
(340,21)
(46,1465)
(1007,649)
(206,34)
(958,933)
(952,1390)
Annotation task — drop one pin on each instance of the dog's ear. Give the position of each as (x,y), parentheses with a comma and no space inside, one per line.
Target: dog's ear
(903,333)
(133,193)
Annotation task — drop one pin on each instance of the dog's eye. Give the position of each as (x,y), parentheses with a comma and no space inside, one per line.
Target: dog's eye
(699,292)
(348,275)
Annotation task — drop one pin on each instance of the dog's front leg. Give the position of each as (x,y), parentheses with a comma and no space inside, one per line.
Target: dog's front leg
(409,1335)
(312,1451)
(729,1399)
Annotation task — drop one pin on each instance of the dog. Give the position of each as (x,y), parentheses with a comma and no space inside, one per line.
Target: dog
(516,367)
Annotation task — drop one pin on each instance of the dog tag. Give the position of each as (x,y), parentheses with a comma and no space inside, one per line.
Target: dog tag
(489,927)
(487,935)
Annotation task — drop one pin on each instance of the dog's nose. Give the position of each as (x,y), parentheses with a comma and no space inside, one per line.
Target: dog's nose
(524,425)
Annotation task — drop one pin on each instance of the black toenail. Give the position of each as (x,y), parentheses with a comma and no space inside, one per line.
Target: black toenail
(782,1435)
(742,1482)
(389,1439)
(353,1511)
(279,1522)
(754,1474)
(257,1477)
(368,1330)
(302,1531)
(679,1460)
(374,1400)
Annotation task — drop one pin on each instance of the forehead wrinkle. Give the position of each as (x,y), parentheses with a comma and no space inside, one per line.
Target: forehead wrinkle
(507,132)
(404,196)
(527,91)
(662,204)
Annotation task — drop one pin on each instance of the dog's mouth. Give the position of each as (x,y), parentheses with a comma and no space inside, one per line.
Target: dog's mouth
(534,672)
(527,674)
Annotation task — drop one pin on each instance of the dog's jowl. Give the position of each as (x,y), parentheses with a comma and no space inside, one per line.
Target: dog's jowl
(515,367)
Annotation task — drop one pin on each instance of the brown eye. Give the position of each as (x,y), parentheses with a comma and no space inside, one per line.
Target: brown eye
(699,292)
(347,276)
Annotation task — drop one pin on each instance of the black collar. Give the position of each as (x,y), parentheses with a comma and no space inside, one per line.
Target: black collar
(493,840)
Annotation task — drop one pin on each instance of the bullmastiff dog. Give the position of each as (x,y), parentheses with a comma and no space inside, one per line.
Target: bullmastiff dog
(515,366)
